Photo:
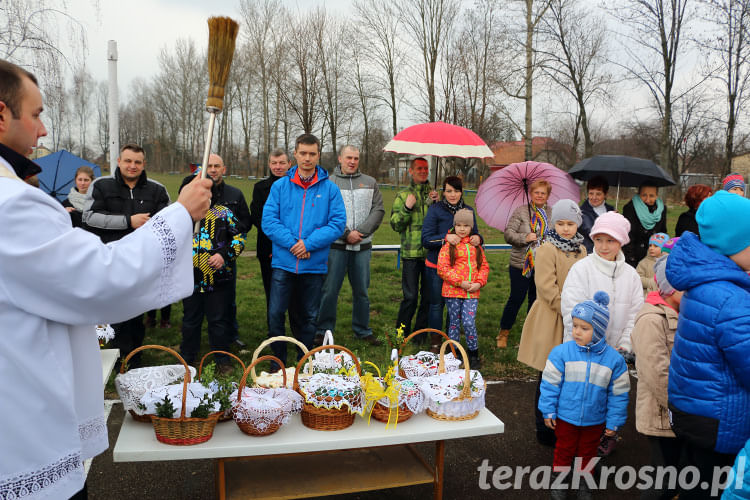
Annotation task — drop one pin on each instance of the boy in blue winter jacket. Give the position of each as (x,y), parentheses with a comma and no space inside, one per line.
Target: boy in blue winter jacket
(584,390)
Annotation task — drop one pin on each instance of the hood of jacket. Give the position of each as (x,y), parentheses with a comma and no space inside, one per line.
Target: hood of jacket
(704,266)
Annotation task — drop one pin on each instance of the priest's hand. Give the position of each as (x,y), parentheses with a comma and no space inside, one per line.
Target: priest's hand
(196,197)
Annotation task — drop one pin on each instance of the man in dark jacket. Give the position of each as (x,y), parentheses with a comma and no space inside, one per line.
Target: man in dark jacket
(121,204)
(232,198)
(350,253)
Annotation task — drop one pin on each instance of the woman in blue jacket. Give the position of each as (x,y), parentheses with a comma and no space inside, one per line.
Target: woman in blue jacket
(709,374)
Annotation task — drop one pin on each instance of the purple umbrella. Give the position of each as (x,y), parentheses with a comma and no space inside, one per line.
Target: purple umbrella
(507,189)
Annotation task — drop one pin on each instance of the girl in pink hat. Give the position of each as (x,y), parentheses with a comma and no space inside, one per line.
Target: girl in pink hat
(605,269)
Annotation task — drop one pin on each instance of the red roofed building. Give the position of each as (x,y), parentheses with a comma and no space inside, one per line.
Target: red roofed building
(543,149)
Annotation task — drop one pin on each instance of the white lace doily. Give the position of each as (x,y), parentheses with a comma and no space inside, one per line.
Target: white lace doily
(195,392)
(105,333)
(447,386)
(425,364)
(323,390)
(409,394)
(263,408)
(133,384)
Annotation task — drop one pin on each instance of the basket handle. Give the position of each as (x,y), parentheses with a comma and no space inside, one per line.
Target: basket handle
(269,341)
(466,391)
(427,330)
(377,370)
(301,362)
(200,365)
(185,379)
(243,381)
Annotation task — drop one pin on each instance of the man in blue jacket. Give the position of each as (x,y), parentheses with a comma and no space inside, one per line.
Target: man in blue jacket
(303,215)
(709,373)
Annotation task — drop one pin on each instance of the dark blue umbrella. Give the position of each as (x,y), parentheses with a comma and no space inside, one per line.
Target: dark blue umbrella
(621,171)
(59,171)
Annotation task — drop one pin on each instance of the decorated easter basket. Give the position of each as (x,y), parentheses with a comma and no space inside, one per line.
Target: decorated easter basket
(391,399)
(424,363)
(457,395)
(330,400)
(273,380)
(263,411)
(131,385)
(227,413)
(329,361)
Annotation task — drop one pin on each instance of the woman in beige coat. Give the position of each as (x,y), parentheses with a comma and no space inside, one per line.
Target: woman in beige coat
(653,338)
(543,328)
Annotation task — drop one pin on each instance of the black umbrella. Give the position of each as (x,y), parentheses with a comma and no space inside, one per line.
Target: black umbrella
(621,171)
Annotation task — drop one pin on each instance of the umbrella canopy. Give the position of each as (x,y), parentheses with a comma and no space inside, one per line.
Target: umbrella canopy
(439,139)
(59,171)
(507,189)
(621,171)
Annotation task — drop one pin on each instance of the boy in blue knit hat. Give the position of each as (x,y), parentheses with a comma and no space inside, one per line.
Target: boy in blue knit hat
(584,390)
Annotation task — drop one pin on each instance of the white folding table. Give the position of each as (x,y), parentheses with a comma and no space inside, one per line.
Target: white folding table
(297,462)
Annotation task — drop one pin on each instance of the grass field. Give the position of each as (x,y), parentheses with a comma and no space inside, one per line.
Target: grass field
(385,295)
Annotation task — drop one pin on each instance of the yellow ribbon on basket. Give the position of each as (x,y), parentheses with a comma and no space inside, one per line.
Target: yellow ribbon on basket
(374,391)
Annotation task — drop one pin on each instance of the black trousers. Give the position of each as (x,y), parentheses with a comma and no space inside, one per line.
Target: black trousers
(416,295)
(166,313)
(705,460)
(665,452)
(520,286)
(215,306)
(129,336)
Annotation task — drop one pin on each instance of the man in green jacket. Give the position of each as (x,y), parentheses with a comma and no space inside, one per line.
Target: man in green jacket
(407,215)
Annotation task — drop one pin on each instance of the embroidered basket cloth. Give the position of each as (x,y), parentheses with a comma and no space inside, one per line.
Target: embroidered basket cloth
(425,364)
(195,392)
(133,384)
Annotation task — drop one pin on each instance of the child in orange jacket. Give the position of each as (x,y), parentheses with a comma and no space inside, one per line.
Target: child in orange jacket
(464,269)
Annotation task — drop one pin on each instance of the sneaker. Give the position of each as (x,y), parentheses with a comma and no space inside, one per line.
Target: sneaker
(150,322)
(165,324)
(373,340)
(239,344)
(607,445)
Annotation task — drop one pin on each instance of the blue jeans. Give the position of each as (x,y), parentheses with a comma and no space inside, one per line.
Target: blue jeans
(435,288)
(357,266)
(520,286)
(299,292)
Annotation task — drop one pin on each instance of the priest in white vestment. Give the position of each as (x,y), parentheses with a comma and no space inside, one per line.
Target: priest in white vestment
(56,283)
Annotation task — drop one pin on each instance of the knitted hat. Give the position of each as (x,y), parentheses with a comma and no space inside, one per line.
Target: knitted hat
(660,276)
(595,313)
(724,222)
(658,239)
(669,244)
(733,180)
(464,216)
(566,210)
(614,225)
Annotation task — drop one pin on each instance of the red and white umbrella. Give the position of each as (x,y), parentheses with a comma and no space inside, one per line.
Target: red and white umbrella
(439,139)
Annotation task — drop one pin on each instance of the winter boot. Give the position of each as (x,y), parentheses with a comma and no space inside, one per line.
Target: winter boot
(474,362)
(502,339)
(557,494)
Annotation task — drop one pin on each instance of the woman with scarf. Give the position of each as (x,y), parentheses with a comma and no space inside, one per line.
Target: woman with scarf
(437,223)
(525,232)
(647,215)
(77,199)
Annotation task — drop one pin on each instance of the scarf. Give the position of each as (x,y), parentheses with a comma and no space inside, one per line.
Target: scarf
(571,245)
(648,219)
(454,208)
(538,224)
(77,199)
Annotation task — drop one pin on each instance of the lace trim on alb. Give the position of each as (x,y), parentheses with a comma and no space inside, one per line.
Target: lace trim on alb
(168,242)
(93,428)
(33,483)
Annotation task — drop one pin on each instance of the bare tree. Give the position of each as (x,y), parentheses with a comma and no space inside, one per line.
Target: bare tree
(81,95)
(301,88)
(657,31)
(730,42)
(102,116)
(364,92)
(429,22)
(575,59)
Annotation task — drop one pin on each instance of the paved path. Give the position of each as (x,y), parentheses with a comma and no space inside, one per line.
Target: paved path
(510,401)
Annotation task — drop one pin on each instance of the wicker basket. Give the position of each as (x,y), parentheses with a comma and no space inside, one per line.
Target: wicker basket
(465,395)
(269,341)
(227,415)
(146,419)
(414,334)
(380,412)
(250,428)
(180,431)
(324,419)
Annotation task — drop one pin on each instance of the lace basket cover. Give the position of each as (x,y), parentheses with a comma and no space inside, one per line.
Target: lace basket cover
(133,384)
(195,393)
(328,391)
(276,380)
(263,408)
(105,333)
(425,364)
(409,395)
(441,391)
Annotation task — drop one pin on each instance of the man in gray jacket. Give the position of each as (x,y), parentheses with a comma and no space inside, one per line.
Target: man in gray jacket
(350,254)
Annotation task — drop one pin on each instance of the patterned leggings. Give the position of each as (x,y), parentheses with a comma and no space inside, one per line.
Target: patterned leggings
(463,312)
